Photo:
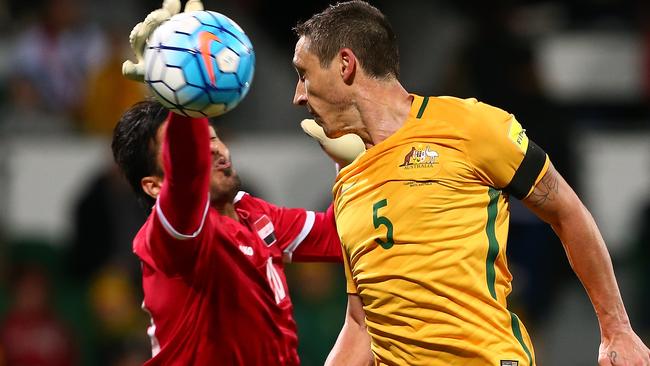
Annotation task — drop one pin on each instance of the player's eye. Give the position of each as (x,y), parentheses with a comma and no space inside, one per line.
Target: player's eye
(301,74)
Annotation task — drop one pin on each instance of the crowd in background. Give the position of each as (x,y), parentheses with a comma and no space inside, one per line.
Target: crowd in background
(78,302)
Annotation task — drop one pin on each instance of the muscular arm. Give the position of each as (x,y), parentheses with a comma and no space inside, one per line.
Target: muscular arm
(352,347)
(553,201)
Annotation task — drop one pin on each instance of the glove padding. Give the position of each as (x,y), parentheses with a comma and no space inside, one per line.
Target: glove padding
(142,31)
(343,150)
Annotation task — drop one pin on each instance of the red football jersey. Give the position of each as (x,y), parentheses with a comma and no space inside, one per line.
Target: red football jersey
(218,294)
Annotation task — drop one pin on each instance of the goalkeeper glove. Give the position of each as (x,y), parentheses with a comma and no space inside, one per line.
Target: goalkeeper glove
(142,31)
(343,150)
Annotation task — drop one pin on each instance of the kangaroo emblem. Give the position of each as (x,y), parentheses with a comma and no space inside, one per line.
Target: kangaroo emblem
(407,158)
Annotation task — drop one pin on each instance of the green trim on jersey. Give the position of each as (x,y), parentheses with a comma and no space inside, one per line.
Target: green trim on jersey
(493,243)
(517,332)
(423,107)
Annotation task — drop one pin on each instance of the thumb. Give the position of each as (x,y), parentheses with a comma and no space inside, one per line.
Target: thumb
(343,150)
(312,129)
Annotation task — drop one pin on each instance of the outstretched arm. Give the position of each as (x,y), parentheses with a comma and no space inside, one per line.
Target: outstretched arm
(553,201)
(181,207)
(186,163)
(352,347)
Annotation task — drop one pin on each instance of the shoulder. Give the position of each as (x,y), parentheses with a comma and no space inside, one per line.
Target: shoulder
(141,239)
(241,195)
(245,201)
(468,114)
(454,106)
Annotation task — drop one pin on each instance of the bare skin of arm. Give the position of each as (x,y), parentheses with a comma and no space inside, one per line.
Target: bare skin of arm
(553,201)
(352,347)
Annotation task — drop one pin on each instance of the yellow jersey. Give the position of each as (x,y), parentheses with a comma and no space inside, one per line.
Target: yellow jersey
(423,220)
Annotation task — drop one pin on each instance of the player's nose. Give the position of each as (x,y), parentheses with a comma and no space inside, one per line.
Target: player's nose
(300,96)
(218,148)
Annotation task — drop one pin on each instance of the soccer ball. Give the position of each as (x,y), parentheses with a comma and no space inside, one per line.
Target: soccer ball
(199,64)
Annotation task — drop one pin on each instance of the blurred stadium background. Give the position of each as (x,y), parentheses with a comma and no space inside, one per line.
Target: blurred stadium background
(575,73)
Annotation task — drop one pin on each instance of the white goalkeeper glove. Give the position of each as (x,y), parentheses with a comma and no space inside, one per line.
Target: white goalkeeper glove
(142,31)
(343,150)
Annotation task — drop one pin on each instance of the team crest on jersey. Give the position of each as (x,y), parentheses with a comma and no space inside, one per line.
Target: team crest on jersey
(265,230)
(509,363)
(420,157)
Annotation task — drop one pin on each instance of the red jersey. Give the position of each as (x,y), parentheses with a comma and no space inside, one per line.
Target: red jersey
(217,293)
(36,338)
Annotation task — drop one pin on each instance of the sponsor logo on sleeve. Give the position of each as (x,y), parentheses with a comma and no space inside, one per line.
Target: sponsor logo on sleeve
(517,134)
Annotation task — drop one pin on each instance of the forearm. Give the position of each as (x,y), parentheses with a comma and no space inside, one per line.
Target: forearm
(352,347)
(556,203)
(553,201)
(591,262)
(186,149)
(186,162)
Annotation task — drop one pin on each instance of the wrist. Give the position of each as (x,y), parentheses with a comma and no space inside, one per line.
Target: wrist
(612,325)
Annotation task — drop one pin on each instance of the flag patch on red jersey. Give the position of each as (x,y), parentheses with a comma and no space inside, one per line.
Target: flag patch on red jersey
(265,230)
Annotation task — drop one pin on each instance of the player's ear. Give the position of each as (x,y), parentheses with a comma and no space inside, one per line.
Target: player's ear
(348,65)
(151,185)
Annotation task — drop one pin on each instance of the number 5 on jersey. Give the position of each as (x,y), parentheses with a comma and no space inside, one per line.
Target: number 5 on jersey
(378,221)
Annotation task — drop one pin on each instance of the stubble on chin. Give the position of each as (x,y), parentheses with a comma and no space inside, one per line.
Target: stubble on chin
(226,193)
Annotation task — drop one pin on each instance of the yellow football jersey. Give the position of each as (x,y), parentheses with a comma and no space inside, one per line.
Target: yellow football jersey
(423,218)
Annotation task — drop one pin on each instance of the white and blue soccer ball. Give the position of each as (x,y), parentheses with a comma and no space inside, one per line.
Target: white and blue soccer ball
(199,63)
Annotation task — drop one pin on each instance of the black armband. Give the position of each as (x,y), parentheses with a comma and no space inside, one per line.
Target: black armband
(527,172)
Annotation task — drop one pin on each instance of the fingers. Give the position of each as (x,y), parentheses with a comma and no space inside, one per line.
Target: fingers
(312,129)
(193,5)
(141,32)
(133,71)
(342,150)
(171,6)
(346,148)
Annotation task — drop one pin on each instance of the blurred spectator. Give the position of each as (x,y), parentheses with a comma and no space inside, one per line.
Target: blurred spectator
(119,321)
(109,93)
(106,218)
(51,60)
(32,334)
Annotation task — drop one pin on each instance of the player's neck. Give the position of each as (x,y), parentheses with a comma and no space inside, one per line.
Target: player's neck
(226,209)
(387,108)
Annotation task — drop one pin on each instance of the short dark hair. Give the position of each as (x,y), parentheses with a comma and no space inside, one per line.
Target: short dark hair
(135,147)
(358,26)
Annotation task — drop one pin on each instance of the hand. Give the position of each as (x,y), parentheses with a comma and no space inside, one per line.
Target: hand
(343,150)
(142,31)
(624,349)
